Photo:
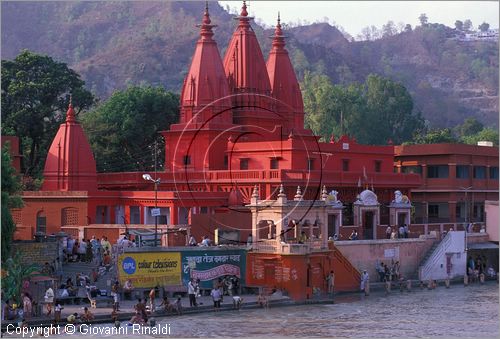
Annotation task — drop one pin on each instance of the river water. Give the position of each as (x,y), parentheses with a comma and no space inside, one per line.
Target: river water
(460,311)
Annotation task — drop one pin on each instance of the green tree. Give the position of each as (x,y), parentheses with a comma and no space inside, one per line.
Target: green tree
(423,19)
(35,95)
(436,136)
(484,27)
(486,134)
(374,112)
(391,112)
(469,127)
(16,273)
(467,25)
(459,25)
(10,188)
(122,129)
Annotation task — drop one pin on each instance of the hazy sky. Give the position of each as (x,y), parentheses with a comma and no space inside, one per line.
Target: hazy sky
(355,15)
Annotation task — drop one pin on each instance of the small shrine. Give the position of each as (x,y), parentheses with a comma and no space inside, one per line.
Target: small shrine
(400,210)
(367,214)
(284,224)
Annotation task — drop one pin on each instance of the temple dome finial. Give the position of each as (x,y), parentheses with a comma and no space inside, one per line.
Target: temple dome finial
(244,9)
(70,113)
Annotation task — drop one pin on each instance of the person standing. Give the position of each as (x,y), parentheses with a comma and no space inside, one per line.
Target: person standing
(330,279)
(49,299)
(216,297)
(192,293)
(152,295)
(192,241)
(388,232)
(365,282)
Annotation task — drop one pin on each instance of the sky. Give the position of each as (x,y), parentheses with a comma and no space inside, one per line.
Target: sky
(353,16)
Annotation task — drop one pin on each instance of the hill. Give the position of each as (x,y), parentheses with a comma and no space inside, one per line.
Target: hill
(114,44)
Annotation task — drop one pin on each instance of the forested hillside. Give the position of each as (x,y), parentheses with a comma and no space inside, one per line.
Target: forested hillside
(116,44)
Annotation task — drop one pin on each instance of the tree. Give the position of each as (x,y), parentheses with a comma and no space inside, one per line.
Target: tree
(486,134)
(389,29)
(408,28)
(467,25)
(10,188)
(16,274)
(35,95)
(423,19)
(374,112)
(391,112)
(436,136)
(122,129)
(469,127)
(459,25)
(484,27)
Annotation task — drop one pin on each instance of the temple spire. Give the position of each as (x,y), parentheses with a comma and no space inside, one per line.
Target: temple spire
(70,113)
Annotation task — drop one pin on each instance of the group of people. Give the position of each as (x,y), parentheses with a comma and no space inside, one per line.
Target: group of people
(388,273)
(205,241)
(91,250)
(397,233)
(477,271)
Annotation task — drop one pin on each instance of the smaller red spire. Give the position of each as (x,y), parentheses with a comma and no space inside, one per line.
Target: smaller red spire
(278,37)
(206,32)
(244,9)
(70,114)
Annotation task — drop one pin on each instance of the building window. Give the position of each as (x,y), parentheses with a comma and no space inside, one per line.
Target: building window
(135,215)
(244,164)
(310,164)
(69,216)
(479,172)
(494,173)
(204,210)
(226,161)
(186,160)
(274,163)
(437,171)
(41,222)
(433,211)
(462,172)
(412,169)
(345,165)
(378,166)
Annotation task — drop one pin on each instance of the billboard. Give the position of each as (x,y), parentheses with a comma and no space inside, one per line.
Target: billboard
(209,265)
(148,269)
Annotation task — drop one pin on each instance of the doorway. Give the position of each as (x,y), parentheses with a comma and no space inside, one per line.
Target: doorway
(332,222)
(368,225)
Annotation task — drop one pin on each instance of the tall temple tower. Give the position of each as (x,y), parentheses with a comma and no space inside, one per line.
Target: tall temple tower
(205,110)
(70,164)
(284,85)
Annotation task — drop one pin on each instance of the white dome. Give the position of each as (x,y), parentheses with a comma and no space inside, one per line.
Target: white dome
(367,197)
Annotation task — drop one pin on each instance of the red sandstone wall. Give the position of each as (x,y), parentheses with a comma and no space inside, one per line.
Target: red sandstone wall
(205,224)
(364,254)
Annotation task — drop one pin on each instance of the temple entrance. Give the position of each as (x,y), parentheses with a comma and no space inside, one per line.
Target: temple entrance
(368,221)
(402,217)
(332,222)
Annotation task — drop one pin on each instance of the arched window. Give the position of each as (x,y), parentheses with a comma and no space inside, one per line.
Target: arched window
(69,216)
(41,222)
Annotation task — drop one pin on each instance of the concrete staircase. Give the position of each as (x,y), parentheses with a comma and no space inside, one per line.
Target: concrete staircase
(72,268)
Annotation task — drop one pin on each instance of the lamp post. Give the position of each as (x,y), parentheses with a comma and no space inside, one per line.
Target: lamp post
(466,190)
(156,181)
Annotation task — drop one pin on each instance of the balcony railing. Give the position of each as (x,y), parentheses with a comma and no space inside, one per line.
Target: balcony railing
(274,246)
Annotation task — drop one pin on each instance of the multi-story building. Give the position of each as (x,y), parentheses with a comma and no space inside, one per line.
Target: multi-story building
(456,180)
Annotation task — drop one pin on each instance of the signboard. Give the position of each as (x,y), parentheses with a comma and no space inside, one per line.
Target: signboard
(210,265)
(391,253)
(155,212)
(148,269)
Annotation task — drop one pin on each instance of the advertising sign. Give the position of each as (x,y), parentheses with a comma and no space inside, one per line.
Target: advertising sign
(210,265)
(149,269)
